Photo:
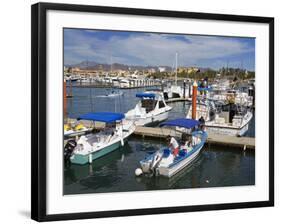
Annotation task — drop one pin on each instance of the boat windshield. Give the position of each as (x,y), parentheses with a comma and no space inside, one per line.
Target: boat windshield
(148,104)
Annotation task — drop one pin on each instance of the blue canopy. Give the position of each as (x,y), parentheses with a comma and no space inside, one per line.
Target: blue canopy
(182,122)
(147,95)
(106,117)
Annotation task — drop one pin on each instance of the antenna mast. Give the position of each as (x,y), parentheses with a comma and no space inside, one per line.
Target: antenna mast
(176,79)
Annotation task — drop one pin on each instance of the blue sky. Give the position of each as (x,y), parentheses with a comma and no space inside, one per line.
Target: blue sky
(137,48)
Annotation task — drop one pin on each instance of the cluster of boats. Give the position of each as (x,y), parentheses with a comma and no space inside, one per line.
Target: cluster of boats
(112,80)
(110,131)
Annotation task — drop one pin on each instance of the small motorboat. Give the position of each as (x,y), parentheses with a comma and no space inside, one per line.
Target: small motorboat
(113,93)
(92,146)
(165,162)
(151,109)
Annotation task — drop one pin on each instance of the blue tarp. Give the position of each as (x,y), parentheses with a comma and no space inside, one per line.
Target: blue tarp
(145,95)
(182,122)
(106,117)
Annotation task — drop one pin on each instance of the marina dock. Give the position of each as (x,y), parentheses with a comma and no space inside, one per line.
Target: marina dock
(238,142)
(110,86)
(156,132)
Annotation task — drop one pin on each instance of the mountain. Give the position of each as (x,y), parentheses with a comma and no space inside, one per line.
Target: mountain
(92,65)
(84,64)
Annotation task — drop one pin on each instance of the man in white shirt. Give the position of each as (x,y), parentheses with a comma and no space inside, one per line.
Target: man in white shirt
(174,145)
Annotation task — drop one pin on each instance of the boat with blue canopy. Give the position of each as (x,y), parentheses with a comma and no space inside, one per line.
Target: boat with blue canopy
(146,95)
(151,109)
(170,160)
(107,117)
(112,133)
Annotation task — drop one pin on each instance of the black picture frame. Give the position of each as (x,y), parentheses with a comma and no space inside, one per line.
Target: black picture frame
(38,109)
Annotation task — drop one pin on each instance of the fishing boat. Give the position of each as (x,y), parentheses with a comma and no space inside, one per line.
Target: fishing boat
(165,162)
(92,146)
(151,109)
(231,119)
(224,119)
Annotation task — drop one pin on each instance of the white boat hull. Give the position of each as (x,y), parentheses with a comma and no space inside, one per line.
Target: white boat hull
(227,130)
(152,119)
(170,171)
(91,151)
(164,163)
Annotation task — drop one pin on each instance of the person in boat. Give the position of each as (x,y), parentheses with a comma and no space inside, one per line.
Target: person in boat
(202,123)
(186,142)
(173,144)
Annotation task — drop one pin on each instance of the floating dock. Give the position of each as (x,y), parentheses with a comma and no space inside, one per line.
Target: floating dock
(155,132)
(237,142)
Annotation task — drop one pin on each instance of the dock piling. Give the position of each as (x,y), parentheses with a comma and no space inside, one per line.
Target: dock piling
(194,96)
(184,86)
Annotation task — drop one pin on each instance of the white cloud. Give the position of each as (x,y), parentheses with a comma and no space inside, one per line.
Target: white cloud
(152,49)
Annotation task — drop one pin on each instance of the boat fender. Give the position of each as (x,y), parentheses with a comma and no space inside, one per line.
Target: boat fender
(122,141)
(138,172)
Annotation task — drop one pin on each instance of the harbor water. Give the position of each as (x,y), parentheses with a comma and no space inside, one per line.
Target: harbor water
(214,167)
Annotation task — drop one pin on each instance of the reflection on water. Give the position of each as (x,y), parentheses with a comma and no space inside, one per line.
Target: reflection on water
(214,167)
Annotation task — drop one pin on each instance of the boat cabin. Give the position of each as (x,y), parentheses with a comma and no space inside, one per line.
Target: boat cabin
(149,101)
(229,111)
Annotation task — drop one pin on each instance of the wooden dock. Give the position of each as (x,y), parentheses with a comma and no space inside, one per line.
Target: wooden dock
(156,132)
(237,142)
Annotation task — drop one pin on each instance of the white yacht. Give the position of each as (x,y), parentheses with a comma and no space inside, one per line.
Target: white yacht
(124,83)
(230,119)
(151,108)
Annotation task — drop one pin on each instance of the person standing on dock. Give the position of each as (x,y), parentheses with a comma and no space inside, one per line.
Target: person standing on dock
(173,144)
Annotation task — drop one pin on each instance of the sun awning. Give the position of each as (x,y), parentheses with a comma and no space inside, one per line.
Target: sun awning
(106,117)
(181,122)
(145,95)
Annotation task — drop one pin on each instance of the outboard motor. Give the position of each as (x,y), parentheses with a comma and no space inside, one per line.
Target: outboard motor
(155,161)
(68,149)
